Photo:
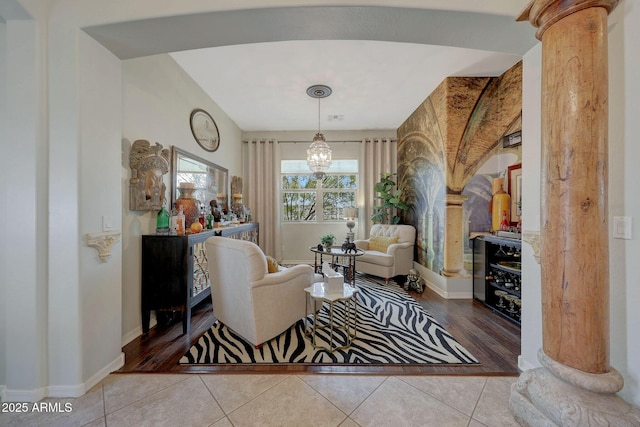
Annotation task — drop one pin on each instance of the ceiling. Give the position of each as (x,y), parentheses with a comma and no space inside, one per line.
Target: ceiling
(375,85)
(381,62)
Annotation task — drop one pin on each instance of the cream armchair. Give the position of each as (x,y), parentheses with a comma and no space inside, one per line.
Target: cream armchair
(388,252)
(254,303)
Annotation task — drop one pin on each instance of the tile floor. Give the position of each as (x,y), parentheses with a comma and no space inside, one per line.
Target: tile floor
(222,400)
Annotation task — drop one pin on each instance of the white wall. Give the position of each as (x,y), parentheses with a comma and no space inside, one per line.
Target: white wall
(531,329)
(23,170)
(624,175)
(4,185)
(157,100)
(100,133)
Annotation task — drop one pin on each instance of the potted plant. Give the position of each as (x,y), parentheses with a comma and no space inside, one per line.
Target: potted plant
(327,241)
(390,198)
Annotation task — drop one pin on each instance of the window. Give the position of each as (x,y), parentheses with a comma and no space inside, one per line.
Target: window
(301,191)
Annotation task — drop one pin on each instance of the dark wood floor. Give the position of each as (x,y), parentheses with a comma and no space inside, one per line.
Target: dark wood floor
(493,340)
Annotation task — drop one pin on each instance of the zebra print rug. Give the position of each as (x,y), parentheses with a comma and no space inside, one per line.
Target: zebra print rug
(392,329)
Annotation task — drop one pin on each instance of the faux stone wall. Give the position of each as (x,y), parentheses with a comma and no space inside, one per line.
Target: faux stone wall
(442,145)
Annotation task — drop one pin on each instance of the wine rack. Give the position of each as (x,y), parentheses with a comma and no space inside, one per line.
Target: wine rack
(497,275)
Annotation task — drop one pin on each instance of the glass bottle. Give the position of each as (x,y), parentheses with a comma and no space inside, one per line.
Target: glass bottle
(202,218)
(173,221)
(209,220)
(505,225)
(180,222)
(162,222)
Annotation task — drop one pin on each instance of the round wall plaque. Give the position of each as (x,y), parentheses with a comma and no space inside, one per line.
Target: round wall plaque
(204,130)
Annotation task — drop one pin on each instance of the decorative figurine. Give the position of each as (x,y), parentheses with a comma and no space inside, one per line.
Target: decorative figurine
(414,282)
(348,247)
(320,247)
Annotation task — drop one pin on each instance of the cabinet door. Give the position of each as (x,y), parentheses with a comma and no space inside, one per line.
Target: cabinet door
(164,272)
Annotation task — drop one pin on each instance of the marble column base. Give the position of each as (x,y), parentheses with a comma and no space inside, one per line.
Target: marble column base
(558,395)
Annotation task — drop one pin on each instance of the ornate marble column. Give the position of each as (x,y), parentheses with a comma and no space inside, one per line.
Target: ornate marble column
(576,385)
(453,263)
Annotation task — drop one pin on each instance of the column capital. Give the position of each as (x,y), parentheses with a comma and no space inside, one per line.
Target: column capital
(544,13)
(455,199)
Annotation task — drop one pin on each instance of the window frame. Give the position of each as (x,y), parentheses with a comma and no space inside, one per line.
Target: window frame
(319,191)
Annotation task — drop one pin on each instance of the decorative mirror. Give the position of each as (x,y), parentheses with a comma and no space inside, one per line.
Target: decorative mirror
(210,180)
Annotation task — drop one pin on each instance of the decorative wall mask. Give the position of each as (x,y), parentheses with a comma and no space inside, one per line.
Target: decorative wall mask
(148,166)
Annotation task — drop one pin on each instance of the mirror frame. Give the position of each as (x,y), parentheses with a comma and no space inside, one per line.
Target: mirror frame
(213,171)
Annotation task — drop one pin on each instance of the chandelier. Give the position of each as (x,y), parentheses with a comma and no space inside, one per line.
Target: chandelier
(319,152)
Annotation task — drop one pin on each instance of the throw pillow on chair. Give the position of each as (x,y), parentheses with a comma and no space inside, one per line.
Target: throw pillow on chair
(272,265)
(381,243)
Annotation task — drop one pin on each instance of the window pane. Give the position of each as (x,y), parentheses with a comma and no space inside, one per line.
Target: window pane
(294,182)
(298,206)
(334,202)
(339,181)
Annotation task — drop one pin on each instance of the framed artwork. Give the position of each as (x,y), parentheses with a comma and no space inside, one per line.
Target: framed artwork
(514,174)
(204,130)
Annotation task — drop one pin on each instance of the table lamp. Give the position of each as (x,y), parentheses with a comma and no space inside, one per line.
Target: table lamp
(350,214)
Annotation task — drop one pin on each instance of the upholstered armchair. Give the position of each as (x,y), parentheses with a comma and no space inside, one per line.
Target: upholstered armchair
(254,303)
(388,252)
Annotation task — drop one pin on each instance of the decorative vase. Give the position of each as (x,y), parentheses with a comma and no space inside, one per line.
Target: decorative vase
(188,203)
(500,205)
(238,207)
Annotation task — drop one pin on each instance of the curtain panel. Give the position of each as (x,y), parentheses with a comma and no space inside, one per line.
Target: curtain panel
(262,188)
(378,155)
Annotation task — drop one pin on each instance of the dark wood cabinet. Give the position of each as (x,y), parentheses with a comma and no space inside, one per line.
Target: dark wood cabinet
(497,275)
(175,275)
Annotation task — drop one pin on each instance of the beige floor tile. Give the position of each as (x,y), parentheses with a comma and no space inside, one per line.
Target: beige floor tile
(349,423)
(290,403)
(344,391)
(223,423)
(396,403)
(476,423)
(493,407)
(101,422)
(54,412)
(233,391)
(121,390)
(186,403)
(460,392)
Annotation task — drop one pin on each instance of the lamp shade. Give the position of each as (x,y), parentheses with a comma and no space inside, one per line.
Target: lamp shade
(351,213)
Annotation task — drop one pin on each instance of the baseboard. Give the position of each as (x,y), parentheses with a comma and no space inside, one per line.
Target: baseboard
(25,395)
(448,295)
(523,365)
(76,390)
(137,331)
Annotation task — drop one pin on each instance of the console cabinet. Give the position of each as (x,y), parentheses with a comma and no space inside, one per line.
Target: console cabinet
(497,276)
(175,275)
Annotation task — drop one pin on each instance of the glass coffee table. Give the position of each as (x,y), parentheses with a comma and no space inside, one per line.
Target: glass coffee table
(338,258)
(316,293)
